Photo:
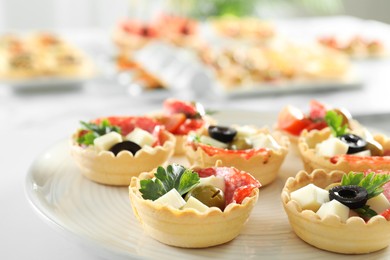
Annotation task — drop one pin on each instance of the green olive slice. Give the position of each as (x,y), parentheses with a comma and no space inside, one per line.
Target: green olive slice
(209,195)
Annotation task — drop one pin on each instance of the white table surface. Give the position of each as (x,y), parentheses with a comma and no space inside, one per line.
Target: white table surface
(32,122)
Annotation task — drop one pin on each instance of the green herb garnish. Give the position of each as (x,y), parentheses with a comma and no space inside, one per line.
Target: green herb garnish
(96,130)
(366,212)
(174,177)
(372,182)
(335,123)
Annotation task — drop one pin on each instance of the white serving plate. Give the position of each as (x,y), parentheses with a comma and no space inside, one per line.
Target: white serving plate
(100,217)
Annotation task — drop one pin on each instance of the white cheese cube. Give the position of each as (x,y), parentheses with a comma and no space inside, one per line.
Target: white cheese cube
(141,137)
(171,198)
(105,142)
(331,147)
(334,207)
(363,153)
(264,141)
(210,141)
(215,181)
(310,197)
(194,203)
(378,203)
(246,131)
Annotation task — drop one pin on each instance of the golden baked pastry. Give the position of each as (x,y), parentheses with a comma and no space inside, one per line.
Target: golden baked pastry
(354,236)
(262,162)
(189,227)
(106,167)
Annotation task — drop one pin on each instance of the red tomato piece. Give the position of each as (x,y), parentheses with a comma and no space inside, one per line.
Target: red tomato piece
(145,123)
(158,133)
(292,120)
(172,122)
(188,126)
(174,106)
(386,214)
(239,184)
(317,110)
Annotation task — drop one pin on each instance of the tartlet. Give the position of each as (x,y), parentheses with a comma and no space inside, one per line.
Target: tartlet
(190,228)
(345,162)
(263,163)
(355,236)
(107,168)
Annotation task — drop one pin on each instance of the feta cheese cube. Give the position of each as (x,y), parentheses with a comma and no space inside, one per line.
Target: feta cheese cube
(331,147)
(378,203)
(310,197)
(171,198)
(141,137)
(194,203)
(264,141)
(334,207)
(246,131)
(105,142)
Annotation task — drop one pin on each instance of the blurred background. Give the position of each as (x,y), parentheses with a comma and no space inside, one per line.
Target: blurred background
(54,14)
(184,48)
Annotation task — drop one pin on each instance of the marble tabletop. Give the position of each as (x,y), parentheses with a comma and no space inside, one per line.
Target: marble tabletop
(32,121)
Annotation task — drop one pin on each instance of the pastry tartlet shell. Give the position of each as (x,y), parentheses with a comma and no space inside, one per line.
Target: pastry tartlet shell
(190,228)
(312,161)
(106,168)
(355,236)
(264,168)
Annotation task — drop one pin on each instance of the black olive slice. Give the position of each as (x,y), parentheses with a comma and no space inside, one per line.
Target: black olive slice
(355,143)
(222,133)
(125,146)
(352,196)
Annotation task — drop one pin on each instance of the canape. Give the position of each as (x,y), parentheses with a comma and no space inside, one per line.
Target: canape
(339,212)
(247,148)
(193,208)
(112,150)
(339,147)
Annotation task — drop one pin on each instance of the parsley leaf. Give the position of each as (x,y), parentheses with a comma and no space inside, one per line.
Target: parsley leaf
(371,182)
(87,138)
(174,176)
(96,130)
(335,123)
